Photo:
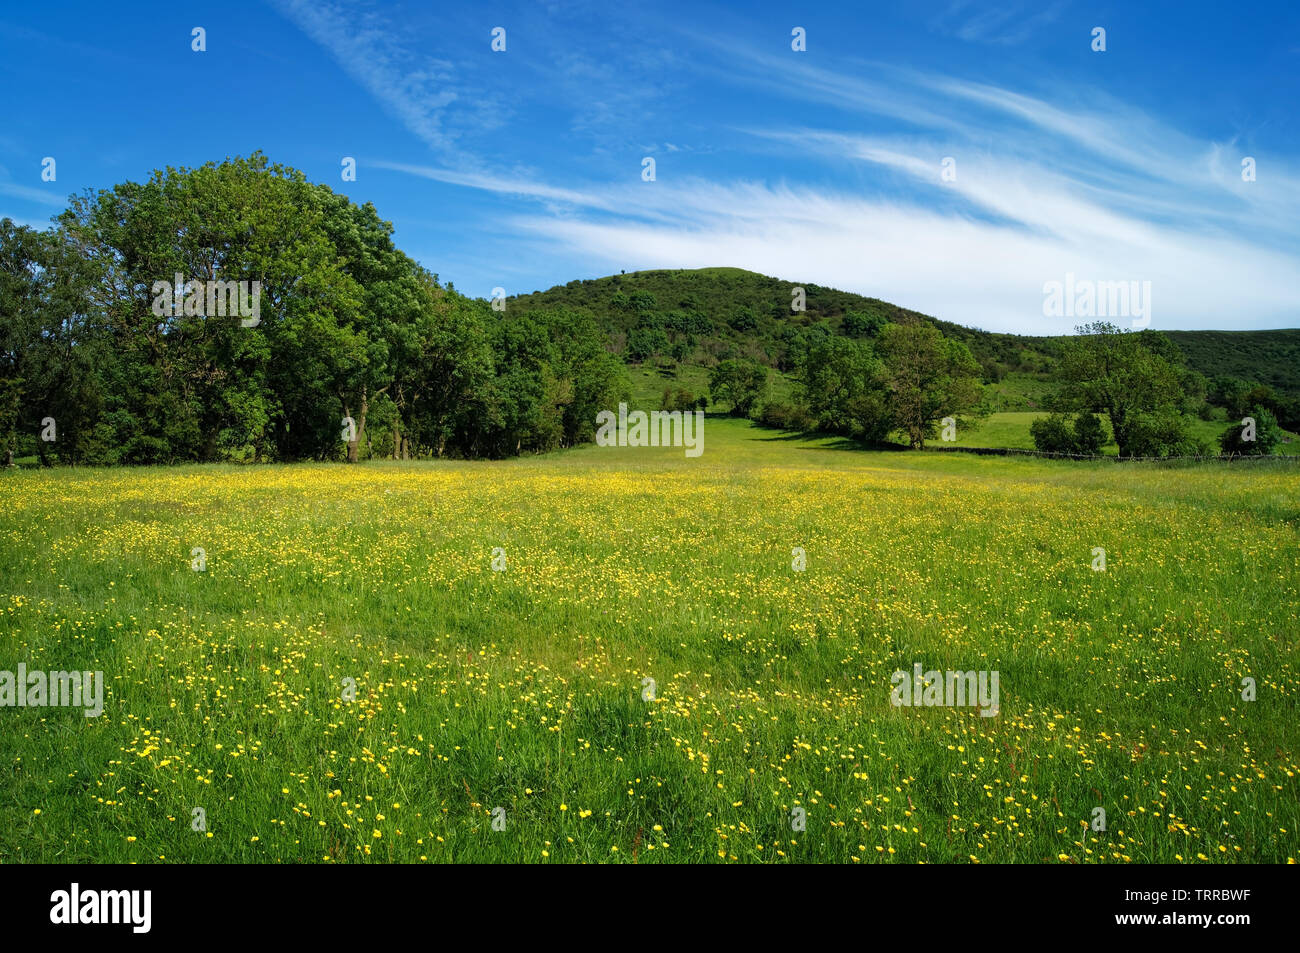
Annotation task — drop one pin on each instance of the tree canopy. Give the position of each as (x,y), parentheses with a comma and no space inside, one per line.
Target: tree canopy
(1138,380)
(347,347)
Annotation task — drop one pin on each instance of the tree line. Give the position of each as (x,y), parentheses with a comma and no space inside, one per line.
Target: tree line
(356,350)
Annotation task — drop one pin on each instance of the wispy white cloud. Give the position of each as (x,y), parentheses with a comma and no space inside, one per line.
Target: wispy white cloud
(974,272)
(45,196)
(451,104)
(983,262)
(518,184)
(1006,24)
(1047,183)
(415,88)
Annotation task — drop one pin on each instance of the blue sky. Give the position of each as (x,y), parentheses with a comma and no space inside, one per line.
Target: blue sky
(523,169)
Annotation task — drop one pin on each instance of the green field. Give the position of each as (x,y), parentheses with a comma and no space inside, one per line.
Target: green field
(1004,428)
(526,689)
(1011,429)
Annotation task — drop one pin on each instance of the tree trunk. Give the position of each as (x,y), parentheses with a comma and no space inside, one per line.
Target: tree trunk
(355,443)
(357,437)
(350,455)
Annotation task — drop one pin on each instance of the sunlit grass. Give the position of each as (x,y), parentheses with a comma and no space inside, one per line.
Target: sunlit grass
(522,689)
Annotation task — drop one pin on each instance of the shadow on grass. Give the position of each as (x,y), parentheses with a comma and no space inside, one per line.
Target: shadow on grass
(826,441)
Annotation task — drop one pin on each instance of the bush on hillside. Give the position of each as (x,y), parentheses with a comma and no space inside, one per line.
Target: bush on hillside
(1265,433)
(1056,433)
(783,416)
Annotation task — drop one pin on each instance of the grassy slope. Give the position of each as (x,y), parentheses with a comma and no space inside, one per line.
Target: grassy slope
(719,293)
(1270,357)
(522,689)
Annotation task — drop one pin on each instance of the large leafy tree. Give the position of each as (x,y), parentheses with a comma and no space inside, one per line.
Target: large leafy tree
(49,353)
(842,383)
(741,382)
(347,326)
(1136,379)
(596,379)
(22,251)
(928,377)
(204,385)
(443,368)
(1256,435)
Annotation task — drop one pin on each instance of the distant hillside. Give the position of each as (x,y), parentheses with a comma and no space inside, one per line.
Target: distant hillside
(1266,357)
(708,314)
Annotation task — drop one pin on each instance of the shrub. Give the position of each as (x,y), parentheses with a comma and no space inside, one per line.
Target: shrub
(1055,434)
(681,399)
(1052,434)
(1089,434)
(860,325)
(783,416)
(1161,435)
(743,319)
(645,343)
(1266,437)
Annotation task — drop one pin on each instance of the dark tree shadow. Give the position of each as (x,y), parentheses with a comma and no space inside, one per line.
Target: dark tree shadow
(826,441)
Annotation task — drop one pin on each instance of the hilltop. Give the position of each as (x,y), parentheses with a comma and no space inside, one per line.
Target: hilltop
(699,316)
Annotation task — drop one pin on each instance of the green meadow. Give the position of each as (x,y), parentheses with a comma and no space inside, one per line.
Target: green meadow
(630,656)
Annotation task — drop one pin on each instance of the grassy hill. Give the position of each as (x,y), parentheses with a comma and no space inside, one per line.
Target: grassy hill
(1268,357)
(730,312)
(709,314)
